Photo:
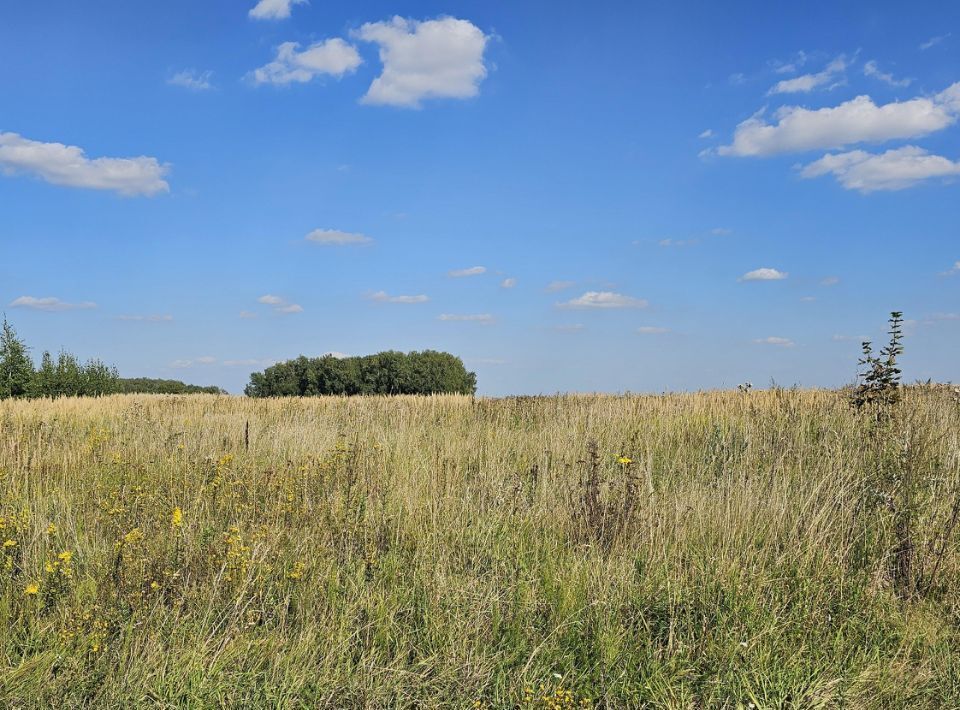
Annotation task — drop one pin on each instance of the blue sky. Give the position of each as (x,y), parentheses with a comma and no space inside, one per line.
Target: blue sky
(570,196)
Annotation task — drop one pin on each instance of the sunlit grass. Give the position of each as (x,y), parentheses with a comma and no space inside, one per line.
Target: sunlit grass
(706,550)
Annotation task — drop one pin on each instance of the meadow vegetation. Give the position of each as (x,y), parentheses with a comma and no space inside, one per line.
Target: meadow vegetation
(706,550)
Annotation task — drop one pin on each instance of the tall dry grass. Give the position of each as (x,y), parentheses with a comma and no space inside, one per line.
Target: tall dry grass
(445,552)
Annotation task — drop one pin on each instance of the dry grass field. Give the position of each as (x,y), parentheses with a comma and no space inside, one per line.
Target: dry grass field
(683,551)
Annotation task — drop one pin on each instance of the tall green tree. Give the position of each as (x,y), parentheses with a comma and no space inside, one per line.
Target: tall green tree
(16,368)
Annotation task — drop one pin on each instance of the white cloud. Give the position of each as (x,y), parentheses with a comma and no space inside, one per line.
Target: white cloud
(764,274)
(440,58)
(334,237)
(192,79)
(206,360)
(332,57)
(774,340)
(179,364)
(247,314)
(954,270)
(555,286)
(49,303)
(809,82)
(273,9)
(508,282)
(791,66)
(67,165)
(149,319)
(678,242)
(279,305)
(651,330)
(384,297)
(203,360)
(472,271)
(337,354)
(604,299)
(896,169)
(706,134)
(721,231)
(857,120)
(481,318)
(830,281)
(871,69)
(934,41)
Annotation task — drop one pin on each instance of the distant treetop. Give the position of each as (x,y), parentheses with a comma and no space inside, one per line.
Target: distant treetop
(391,372)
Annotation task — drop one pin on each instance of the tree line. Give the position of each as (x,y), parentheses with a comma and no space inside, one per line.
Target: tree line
(67,376)
(390,372)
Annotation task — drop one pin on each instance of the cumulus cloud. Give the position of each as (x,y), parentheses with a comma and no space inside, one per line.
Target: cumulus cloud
(274,9)
(472,271)
(481,318)
(858,120)
(67,165)
(440,58)
(652,330)
(895,169)
(280,304)
(809,82)
(384,297)
(148,319)
(871,69)
(774,340)
(192,79)
(49,303)
(334,237)
(331,57)
(508,282)
(764,274)
(605,299)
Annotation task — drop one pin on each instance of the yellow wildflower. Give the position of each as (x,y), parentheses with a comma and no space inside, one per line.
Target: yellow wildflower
(176,518)
(51,529)
(31,589)
(65,556)
(9,543)
(624,461)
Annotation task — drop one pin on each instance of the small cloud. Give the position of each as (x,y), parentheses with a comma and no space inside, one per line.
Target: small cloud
(604,299)
(737,79)
(335,237)
(934,41)
(274,9)
(192,79)
(774,340)
(472,271)
(203,360)
(678,242)
(809,82)
(384,297)
(871,69)
(896,169)
(830,281)
(49,303)
(555,286)
(481,318)
(721,231)
(441,58)
(791,66)
(508,283)
(248,314)
(707,134)
(764,274)
(652,330)
(953,270)
(149,319)
(279,304)
(67,165)
(331,57)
